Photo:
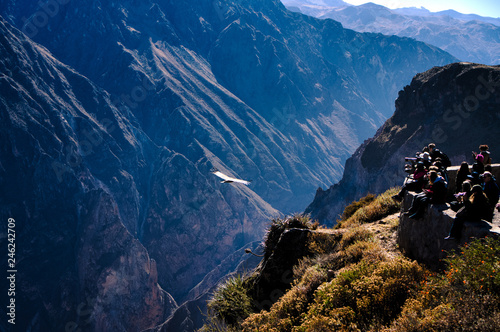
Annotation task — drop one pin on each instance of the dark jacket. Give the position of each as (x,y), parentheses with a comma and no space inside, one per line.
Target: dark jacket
(461,177)
(476,208)
(491,190)
(436,153)
(437,191)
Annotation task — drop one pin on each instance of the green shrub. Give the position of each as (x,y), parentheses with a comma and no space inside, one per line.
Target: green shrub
(356,245)
(356,205)
(355,234)
(323,243)
(366,295)
(465,297)
(476,268)
(230,303)
(372,209)
(278,226)
(287,312)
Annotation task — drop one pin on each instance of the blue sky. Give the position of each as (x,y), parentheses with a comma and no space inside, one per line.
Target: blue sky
(489,8)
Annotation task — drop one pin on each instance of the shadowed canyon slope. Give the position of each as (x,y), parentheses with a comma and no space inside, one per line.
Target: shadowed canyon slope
(78,175)
(111,160)
(277,97)
(456,107)
(68,162)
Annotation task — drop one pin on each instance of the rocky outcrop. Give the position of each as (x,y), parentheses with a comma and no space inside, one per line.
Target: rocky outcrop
(285,245)
(423,239)
(274,274)
(455,106)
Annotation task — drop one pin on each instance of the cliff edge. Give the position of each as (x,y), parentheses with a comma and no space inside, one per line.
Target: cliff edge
(455,106)
(423,239)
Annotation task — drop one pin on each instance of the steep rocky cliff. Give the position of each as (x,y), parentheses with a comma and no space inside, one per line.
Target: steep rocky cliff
(68,160)
(189,71)
(454,106)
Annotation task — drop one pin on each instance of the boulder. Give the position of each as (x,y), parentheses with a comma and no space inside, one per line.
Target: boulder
(423,239)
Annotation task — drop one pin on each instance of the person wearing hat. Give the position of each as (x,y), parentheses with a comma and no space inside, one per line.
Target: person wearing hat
(475,178)
(426,159)
(476,208)
(480,159)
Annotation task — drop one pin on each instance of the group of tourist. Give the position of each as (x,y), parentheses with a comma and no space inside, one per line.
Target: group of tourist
(476,194)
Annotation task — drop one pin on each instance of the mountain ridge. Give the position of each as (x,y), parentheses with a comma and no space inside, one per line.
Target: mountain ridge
(468,37)
(130,143)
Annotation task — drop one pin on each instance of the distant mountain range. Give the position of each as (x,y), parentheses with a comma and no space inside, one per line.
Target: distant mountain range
(466,36)
(414,11)
(110,129)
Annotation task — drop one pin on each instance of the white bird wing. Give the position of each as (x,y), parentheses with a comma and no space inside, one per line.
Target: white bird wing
(241,181)
(222,176)
(230,179)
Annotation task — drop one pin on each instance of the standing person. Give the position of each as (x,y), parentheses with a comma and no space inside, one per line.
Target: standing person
(483,150)
(462,174)
(436,153)
(476,208)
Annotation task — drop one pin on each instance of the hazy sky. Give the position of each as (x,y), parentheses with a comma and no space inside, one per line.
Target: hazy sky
(489,8)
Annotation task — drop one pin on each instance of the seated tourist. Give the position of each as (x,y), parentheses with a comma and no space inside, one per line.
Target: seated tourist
(491,189)
(415,182)
(436,194)
(478,165)
(462,196)
(476,208)
(462,174)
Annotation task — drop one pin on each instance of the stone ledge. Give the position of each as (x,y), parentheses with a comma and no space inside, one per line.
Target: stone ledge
(423,239)
(453,170)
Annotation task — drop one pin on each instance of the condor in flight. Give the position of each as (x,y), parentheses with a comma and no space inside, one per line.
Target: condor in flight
(228,179)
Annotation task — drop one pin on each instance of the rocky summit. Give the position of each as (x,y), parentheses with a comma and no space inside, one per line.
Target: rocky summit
(455,107)
(114,113)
